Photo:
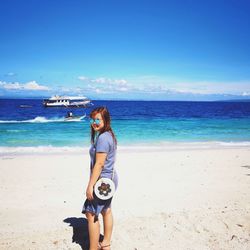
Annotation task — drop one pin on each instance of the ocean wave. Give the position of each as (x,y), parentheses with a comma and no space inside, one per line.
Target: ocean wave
(42,119)
(174,145)
(136,147)
(232,144)
(41,150)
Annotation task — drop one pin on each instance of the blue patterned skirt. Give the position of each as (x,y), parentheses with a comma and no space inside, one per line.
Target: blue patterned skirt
(96,206)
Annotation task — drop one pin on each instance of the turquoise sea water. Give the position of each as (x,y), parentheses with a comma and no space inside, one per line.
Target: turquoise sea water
(135,123)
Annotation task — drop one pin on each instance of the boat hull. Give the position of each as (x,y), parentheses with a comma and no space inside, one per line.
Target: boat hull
(66,105)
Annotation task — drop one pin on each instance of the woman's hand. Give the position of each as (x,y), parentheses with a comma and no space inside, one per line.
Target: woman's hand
(89,192)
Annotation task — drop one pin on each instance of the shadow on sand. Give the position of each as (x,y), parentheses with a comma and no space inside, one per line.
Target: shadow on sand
(80,231)
(248,167)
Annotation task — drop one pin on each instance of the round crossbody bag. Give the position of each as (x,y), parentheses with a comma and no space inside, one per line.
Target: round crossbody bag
(104,188)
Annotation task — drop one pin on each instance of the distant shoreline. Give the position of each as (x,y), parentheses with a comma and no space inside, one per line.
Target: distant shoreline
(131,100)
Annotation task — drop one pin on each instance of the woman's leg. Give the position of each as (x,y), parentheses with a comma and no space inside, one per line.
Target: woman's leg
(108,227)
(94,231)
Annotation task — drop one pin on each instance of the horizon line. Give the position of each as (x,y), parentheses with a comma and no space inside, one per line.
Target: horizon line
(145,100)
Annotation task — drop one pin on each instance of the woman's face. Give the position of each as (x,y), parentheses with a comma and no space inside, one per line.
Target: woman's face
(97,122)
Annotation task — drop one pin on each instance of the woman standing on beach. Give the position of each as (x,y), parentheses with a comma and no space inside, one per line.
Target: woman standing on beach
(102,156)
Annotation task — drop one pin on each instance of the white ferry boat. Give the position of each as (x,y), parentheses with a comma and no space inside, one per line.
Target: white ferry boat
(66,101)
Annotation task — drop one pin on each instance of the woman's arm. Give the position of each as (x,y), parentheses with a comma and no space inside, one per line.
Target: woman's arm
(97,169)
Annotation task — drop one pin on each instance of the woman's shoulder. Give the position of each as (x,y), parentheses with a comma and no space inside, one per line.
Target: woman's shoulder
(105,135)
(105,142)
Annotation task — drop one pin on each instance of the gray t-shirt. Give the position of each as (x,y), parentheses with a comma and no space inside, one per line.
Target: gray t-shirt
(104,144)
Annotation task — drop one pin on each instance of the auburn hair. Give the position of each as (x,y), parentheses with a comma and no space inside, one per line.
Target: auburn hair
(106,120)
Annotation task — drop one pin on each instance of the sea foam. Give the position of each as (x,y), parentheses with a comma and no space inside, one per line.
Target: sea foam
(42,119)
(166,146)
(41,150)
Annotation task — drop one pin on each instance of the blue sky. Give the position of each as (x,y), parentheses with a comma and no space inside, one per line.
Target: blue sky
(103,49)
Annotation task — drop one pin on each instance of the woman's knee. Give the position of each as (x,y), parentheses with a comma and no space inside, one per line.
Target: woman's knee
(106,212)
(90,216)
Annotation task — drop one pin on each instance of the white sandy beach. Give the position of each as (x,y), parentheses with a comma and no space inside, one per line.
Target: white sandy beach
(168,199)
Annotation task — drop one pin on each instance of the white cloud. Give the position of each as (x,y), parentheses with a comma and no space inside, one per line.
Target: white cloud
(105,85)
(157,85)
(33,85)
(100,80)
(98,91)
(83,78)
(123,89)
(10,86)
(120,81)
(63,89)
(207,88)
(245,94)
(10,74)
(103,80)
